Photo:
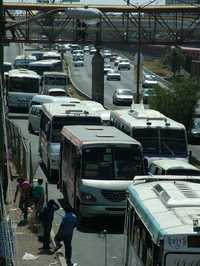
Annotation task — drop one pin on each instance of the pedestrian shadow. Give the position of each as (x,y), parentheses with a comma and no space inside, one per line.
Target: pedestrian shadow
(113,225)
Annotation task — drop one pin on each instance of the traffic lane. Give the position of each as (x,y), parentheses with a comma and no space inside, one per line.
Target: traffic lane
(195,149)
(82,77)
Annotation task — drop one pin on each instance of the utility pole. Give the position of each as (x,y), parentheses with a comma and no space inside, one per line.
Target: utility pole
(2,32)
(138,58)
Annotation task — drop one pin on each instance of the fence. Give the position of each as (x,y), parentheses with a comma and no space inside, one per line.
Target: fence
(20,151)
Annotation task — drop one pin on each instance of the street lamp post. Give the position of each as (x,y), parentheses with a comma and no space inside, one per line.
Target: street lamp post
(138,59)
(1,87)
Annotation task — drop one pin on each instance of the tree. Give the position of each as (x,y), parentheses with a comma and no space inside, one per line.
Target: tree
(174,58)
(178,101)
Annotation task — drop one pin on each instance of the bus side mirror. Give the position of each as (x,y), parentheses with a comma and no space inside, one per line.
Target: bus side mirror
(146,168)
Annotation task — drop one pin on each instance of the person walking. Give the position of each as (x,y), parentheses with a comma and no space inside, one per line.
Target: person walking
(46,217)
(24,188)
(65,233)
(38,196)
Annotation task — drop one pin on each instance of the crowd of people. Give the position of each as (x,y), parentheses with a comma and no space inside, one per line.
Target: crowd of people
(34,196)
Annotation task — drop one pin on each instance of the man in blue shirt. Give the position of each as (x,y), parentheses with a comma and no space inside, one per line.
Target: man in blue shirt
(65,233)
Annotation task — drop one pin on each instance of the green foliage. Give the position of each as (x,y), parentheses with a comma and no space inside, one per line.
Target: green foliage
(177,102)
(174,58)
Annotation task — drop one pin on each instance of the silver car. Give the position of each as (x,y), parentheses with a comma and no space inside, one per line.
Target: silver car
(122,97)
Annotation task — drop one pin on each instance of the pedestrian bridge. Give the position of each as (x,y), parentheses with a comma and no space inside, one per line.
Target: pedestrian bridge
(150,24)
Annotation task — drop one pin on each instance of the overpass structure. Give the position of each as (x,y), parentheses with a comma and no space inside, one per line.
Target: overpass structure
(54,23)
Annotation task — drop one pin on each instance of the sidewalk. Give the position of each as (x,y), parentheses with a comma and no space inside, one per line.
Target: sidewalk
(26,240)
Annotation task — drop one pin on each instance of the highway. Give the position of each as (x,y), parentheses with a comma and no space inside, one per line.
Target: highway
(82,77)
(89,243)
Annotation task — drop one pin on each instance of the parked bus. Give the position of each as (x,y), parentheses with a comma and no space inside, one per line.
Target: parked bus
(23,61)
(53,117)
(42,66)
(97,164)
(160,136)
(162,221)
(22,85)
(54,79)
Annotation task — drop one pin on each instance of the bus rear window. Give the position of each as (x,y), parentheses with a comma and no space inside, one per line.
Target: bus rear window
(59,122)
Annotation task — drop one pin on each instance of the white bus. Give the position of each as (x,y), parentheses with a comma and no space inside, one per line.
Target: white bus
(53,117)
(22,85)
(42,66)
(97,164)
(54,80)
(160,136)
(23,61)
(162,222)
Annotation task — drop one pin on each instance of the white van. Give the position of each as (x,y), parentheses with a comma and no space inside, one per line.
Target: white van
(173,167)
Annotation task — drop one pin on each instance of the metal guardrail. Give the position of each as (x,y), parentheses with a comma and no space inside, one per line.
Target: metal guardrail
(20,151)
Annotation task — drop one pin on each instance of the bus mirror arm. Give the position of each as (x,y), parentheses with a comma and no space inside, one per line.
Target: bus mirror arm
(146,168)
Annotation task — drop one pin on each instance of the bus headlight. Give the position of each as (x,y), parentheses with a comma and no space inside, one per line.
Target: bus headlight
(87,197)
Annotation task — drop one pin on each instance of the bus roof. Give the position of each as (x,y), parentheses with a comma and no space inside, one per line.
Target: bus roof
(24,56)
(52,54)
(141,117)
(166,198)
(47,62)
(174,164)
(95,106)
(54,73)
(23,73)
(65,109)
(82,135)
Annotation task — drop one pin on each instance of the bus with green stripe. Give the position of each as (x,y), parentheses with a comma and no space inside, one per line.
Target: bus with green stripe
(162,221)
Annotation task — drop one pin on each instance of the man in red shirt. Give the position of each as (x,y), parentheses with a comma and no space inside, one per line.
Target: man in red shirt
(24,188)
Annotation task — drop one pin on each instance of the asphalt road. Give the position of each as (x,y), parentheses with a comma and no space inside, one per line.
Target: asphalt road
(82,77)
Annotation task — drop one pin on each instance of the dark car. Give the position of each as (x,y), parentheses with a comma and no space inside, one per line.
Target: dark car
(194,131)
(122,97)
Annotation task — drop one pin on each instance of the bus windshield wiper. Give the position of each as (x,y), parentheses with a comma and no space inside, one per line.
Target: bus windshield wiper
(168,148)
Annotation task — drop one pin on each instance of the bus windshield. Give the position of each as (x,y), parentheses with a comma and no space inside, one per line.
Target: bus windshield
(112,163)
(27,85)
(158,142)
(59,122)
